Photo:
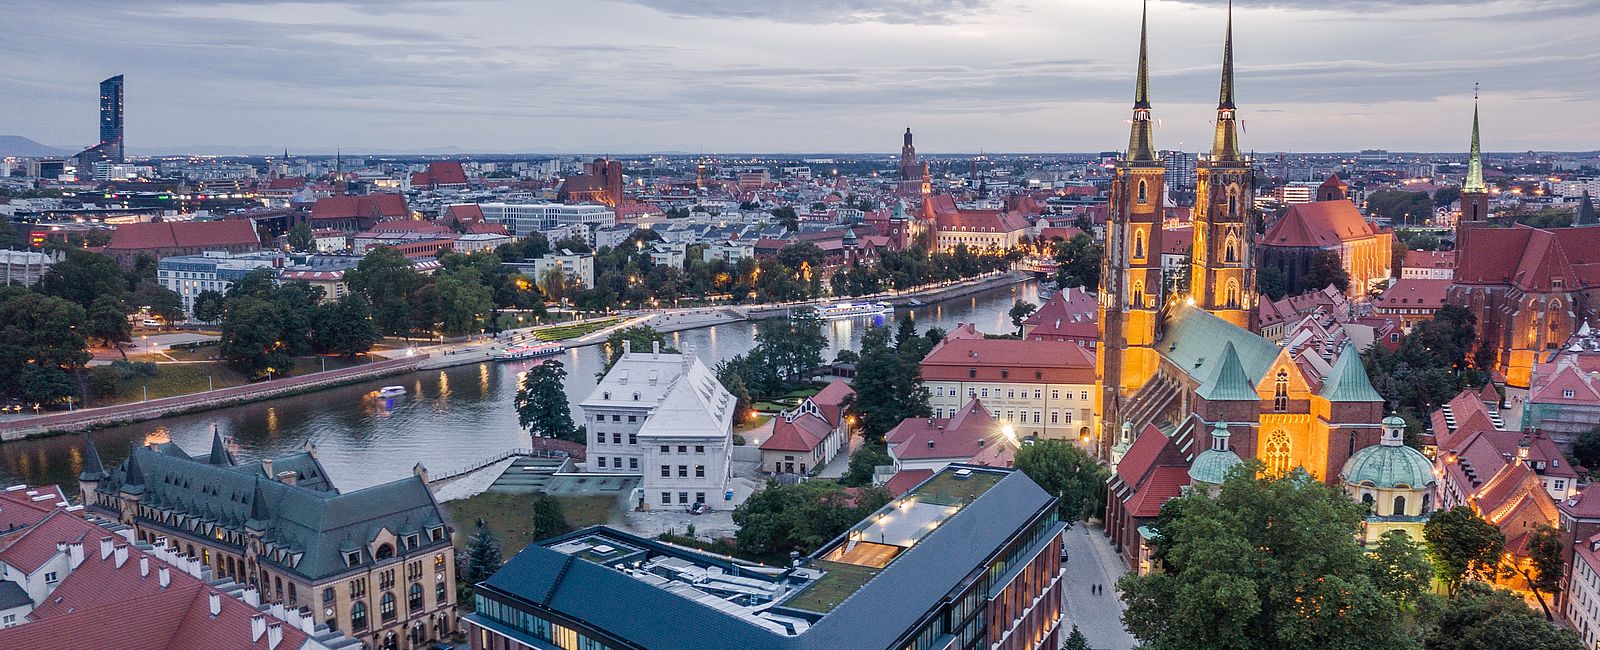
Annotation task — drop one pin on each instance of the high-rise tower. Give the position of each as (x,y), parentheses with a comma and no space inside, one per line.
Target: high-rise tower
(1222,268)
(913,174)
(1474,193)
(111,118)
(1130,277)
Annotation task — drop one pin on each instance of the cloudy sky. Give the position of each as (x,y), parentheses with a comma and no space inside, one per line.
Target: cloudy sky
(629,76)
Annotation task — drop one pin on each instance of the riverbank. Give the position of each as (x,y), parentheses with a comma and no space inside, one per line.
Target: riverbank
(94,418)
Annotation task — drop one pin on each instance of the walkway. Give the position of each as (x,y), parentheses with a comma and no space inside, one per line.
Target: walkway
(1099,616)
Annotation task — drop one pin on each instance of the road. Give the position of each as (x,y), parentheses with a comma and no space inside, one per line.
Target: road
(1098,616)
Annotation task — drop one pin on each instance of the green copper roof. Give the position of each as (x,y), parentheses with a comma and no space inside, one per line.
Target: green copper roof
(1474,182)
(1348,381)
(1229,382)
(1194,341)
(1212,465)
(1389,467)
(1141,137)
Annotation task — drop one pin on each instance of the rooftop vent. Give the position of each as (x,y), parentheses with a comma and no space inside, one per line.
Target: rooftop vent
(963,474)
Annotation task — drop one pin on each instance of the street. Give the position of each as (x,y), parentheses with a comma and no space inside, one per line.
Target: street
(1099,616)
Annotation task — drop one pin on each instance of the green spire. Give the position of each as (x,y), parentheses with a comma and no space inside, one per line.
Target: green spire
(1230,381)
(1474,182)
(1348,381)
(1141,139)
(1225,144)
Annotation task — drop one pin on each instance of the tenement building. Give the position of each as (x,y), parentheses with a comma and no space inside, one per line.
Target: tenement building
(376,563)
(1043,389)
(967,559)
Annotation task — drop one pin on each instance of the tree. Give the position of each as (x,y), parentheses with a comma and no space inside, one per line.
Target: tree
(1076,640)
(42,343)
(108,321)
(787,218)
(888,386)
(252,343)
(388,281)
(345,327)
(1403,567)
(794,345)
(1401,208)
(483,554)
(162,302)
(208,306)
(541,403)
(1268,562)
(1586,449)
(464,301)
(1020,311)
(1445,197)
(1326,269)
(1271,283)
(1079,262)
(863,461)
(301,238)
(82,277)
(1462,546)
(639,338)
(1585,215)
(1066,471)
(1544,570)
(1481,617)
(548,520)
(801,517)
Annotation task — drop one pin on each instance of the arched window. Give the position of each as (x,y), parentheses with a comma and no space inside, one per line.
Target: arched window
(414,601)
(1144,192)
(1399,504)
(1280,392)
(1427,502)
(1138,294)
(1279,457)
(384,551)
(358,617)
(1233,203)
(1138,244)
(386,606)
(1230,251)
(1366,500)
(1231,295)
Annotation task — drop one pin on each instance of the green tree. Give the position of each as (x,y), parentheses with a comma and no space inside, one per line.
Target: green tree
(638,337)
(252,338)
(801,517)
(42,344)
(1403,568)
(483,554)
(1481,617)
(794,345)
(1326,269)
(1545,567)
(1020,311)
(548,520)
(1586,449)
(541,403)
(388,281)
(1271,283)
(301,238)
(787,218)
(1076,640)
(464,301)
(108,321)
(1462,546)
(1269,562)
(162,302)
(208,306)
(869,455)
(82,277)
(1065,470)
(888,386)
(1079,262)
(1445,197)
(1401,208)
(345,327)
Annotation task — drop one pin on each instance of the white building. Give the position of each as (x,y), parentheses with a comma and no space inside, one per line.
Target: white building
(472,243)
(579,267)
(669,255)
(729,251)
(523,219)
(1040,388)
(1297,192)
(188,275)
(1583,591)
(665,418)
(23,267)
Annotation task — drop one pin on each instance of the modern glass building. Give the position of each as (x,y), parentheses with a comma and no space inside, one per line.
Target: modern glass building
(111,118)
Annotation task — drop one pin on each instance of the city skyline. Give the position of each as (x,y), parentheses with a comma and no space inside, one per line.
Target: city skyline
(643,76)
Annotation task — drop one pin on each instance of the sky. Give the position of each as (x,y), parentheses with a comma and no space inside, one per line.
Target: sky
(726,76)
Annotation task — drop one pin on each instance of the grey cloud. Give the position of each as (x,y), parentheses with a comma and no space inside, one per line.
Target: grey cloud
(819,11)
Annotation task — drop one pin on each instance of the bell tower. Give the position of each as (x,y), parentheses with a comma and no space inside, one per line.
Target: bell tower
(1130,277)
(1222,277)
(1474,192)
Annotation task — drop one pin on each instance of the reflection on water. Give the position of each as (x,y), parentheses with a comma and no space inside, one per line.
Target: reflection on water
(449,419)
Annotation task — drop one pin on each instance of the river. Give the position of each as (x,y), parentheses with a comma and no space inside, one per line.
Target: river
(450,419)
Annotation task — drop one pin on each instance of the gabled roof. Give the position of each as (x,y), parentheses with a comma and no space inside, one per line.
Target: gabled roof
(1069,314)
(979,359)
(963,435)
(1229,381)
(183,234)
(365,206)
(1415,293)
(831,400)
(803,432)
(1319,224)
(1195,339)
(37,544)
(1348,381)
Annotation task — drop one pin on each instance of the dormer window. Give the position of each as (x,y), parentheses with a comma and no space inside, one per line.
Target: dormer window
(605,395)
(1568,394)
(352,558)
(413,540)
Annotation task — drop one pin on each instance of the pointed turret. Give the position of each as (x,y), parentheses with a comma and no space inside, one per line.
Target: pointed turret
(1230,383)
(219,449)
(1225,144)
(260,514)
(1348,381)
(1141,138)
(93,469)
(132,474)
(1474,182)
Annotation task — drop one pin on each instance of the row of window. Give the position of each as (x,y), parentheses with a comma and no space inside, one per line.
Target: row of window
(614,418)
(1012,415)
(536,626)
(616,438)
(683,498)
(683,471)
(1010,393)
(387,609)
(616,462)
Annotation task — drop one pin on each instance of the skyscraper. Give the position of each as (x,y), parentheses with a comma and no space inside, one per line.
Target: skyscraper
(111,118)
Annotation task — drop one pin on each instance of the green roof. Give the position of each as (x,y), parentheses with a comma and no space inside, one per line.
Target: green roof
(1388,467)
(1348,381)
(1229,382)
(1195,339)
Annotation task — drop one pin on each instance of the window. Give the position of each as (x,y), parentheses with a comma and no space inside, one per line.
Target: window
(1138,295)
(699,497)
(386,607)
(415,599)
(1280,392)
(666,449)
(10,620)
(1278,453)
(616,438)
(666,471)
(327,596)
(1011,416)
(358,588)
(385,551)
(635,397)
(1005,373)
(50,577)
(1399,504)
(441,595)
(1568,393)
(358,617)
(633,463)
(1083,394)
(1138,244)
(1144,192)
(683,471)
(683,449)
(1036,416)
(1230,251)
(1056,394)
(1231,294)
(1069,416)
(633,438)
(699,449)
(683,497)
(602,462)
(617,418)
(1036,392)
(1054,416)
(1011,394)
(633,418)
(1561,484)
(616,461)
(666,498)
(699,471)
(986,391)
(972,373)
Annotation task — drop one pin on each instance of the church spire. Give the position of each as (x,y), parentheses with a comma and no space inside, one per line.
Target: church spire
(1141,138)
(1225,144)
(1474,182)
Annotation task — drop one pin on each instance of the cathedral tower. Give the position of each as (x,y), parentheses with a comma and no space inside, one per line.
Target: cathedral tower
(1474,193)
(1130,277)
(1222,277)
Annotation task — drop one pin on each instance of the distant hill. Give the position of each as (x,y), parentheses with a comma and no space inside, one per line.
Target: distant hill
(16,145)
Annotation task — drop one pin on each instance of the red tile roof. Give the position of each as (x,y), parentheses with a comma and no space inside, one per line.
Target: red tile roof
(802,432)
(960,436)
(1531,259)
(1177,241)
(1583,505)
(1055,362)
(1415,293)
(831,400)
(36,545)
(1070,314)
(463,213)
(1552,386)
(1429,260)
(1163,484)
(1320,224)
(183,234)
(365,206)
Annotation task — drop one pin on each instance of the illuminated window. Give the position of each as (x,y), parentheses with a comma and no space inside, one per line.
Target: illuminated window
(1280,393)
(1138,244)
(1230,251)
(1278,454)
(1144,192)
(1231,295)
(1138,294)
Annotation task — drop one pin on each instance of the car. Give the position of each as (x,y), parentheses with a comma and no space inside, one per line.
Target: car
(150,322)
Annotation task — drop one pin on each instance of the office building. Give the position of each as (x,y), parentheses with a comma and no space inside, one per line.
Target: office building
(523,219)
(189,275)
(968,559)
(577,267)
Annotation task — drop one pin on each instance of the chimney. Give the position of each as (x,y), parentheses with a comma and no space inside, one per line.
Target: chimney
(655,348)
(250,596)
(216,604)
(274,635)
(266,466)
(287,477)
(144,566)
(627,346)
(74,554)
(105,547)
(258,627)
(164,576)
(121,553)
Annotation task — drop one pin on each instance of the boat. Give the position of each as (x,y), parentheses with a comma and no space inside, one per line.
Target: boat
(391,391)
(842,310)
(528,351)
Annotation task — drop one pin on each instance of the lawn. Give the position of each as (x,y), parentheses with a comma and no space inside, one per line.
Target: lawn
(753,423)
(172,379)
(510,516)
(564,332)
(839,583)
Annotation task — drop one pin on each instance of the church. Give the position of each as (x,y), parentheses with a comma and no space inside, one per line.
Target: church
(1185,379)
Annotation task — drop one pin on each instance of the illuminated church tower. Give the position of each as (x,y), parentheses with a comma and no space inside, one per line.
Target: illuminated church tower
(1474,193)
(1222,277)
(1130,277)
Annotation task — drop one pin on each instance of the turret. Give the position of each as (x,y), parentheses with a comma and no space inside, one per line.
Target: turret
(93,470)
(1225,143)
(1141,138)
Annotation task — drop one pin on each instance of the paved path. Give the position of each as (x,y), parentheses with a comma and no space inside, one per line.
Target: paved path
(1098,616)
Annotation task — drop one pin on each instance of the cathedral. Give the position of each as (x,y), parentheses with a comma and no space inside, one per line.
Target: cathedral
(1185,379)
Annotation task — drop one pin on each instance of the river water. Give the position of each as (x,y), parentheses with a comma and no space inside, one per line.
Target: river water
(450,419)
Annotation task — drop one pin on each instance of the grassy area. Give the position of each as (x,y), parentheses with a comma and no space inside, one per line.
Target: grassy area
(830,590)
(753,423)
(946,489)
(564,332)
(510,516)
(172,379)
(769,407)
